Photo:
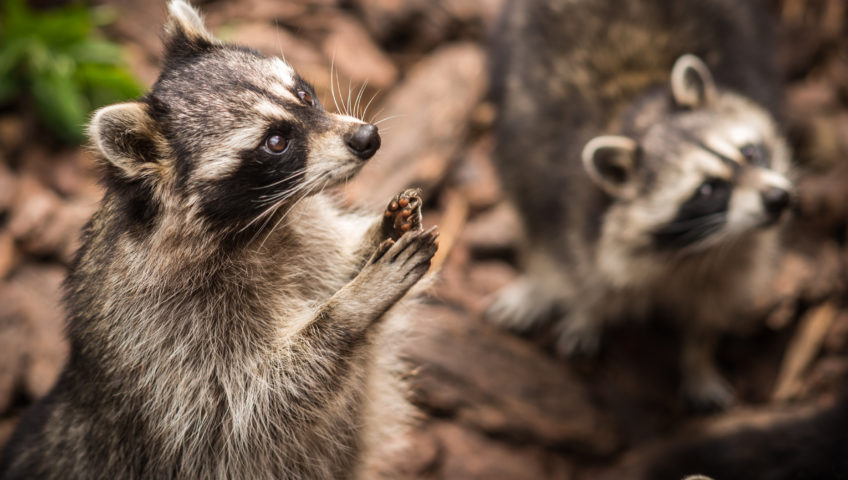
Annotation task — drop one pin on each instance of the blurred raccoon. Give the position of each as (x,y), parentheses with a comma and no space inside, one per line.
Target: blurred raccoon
(674,215)
(227,319)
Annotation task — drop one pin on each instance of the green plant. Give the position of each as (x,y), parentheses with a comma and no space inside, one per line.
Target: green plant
(56,61)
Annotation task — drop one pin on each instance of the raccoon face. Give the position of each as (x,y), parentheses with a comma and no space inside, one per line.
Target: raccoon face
(712,170)
(227,136)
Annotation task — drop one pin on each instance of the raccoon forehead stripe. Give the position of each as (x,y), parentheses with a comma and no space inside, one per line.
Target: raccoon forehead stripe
(730,158)
(272,111)
(225,159)
(285,80)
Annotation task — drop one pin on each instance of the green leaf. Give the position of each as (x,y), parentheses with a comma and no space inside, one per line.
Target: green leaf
(95,51)
(60,104)
(56,60)
(107,84)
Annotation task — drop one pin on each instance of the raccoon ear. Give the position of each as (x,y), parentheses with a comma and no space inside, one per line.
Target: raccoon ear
(610,161)
(128,139)
(692,83)
(185,31)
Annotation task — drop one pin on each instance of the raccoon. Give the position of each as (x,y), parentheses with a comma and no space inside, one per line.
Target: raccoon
(638,140)
(226,318)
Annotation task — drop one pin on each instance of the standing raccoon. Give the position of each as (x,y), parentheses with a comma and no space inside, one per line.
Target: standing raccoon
(227,320)
(673,215)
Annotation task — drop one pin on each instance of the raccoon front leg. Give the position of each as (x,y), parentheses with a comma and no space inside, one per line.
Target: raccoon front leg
(340,327)
(703,385)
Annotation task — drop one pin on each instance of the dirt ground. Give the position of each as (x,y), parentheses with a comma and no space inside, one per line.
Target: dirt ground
(495,405)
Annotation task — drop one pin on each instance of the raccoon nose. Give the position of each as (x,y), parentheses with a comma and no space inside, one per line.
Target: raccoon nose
(775,200)
(364,142)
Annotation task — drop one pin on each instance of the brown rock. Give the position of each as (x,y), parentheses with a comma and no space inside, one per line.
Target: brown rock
(263,10)
(44,224)
(8,253)
(7,426)
(8,188)
(476,177)
(429,114)
(14,340)
(39,290)
(500,384)
(356,56)
(279,42)
(425,23)
(11,132)
(469,455)
(34,210)
(497,229)
(742,435)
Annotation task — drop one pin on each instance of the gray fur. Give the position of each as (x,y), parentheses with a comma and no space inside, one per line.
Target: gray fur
(604,239)
(226,340)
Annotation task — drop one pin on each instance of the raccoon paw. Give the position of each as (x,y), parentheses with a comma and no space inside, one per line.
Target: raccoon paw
(517,307)
(708,394)
(578,337)
(403,214)
(399,264)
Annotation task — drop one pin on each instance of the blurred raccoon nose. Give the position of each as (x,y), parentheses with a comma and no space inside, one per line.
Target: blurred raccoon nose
(775,200)
(364,142)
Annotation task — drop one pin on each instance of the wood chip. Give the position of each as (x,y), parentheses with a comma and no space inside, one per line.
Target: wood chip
(802,350)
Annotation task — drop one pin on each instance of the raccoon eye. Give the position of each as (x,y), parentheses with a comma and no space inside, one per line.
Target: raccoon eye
(711,187)
(755,155)
(276,144)
(305,97)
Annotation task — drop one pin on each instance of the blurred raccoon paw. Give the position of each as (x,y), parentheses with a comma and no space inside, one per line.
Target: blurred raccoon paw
(403,214)
(710,393)
(578,337)
(516,307)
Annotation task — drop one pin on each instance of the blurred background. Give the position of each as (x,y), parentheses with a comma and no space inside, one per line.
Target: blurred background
(495,405)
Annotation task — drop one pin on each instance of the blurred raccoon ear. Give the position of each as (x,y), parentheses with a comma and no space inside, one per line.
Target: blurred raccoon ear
(185,32)
(128,139)
(692,83)
(610,160)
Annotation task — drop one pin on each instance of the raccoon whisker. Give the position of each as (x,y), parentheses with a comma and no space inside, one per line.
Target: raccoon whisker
(271,198)
(365,113)
(391,117)
(332,88)
(347,107)
(358,101)
(325,176)
(279,45)
(286,179)
(274,202)
(341,96)
(383,108)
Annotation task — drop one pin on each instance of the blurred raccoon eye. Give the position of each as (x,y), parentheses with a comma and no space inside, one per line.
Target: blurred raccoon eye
(711,187)
(276,144)
(305,97)
(755,155)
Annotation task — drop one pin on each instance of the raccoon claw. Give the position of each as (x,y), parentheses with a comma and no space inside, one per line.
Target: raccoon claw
(709,394)
(577,340)
(403,214)
(713,395)
(517,307)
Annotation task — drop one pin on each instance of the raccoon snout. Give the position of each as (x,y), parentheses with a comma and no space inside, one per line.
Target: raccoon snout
(364,142)
(775,200)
